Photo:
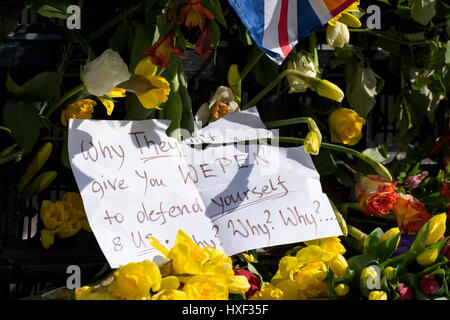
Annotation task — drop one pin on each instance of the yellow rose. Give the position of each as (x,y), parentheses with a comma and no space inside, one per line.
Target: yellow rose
(74,205)
(81,109)
(203,287)
(345,126)
(54,215)
(135,280)
(268,292)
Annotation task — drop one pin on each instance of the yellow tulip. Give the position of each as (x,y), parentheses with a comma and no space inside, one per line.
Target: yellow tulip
(427,257)
(339,265)
(341,289)
(436,229)
(377,295)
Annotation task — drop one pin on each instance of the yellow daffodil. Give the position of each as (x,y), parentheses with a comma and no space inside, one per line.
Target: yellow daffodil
(203,287)
(135,280)
(346,17)
(54,215)
(156,89)
(69,229)
(74,205)
(312,144)
(81,109)
(268,292)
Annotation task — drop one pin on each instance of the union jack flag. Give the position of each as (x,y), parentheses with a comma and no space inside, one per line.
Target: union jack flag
(277,25)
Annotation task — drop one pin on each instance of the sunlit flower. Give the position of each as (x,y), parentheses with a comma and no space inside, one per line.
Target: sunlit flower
(135,280)
(345,126)
(203,287)
(157,89)
(337,35)
(375,194)
(103,74)
(436,229)
(346,17)
(109,104)
(221,104)
(81,109)
(411,214)
(161,50)
(268,292)
(427,257)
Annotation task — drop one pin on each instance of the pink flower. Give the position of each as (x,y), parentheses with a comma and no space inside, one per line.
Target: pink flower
(255,282)
(414,181)
(406,293)
(429,284)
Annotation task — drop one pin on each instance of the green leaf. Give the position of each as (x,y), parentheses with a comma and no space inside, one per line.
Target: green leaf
(216,9)
(423,11)
(419,243)
(387,247)
(375,154)
(324,162)
(11,86)
(370,245)
(143,39)
(44,86)
(135,110)
(52,12)
(118,41)
(24,122)
(362,87)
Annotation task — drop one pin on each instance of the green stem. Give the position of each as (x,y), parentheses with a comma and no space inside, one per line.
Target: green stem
(251,64)
(286,122)
(271,85)
(97,33)
(313,48)
(11,157)
(6,129)
(378,167)
(58,103)
(355,233)
(380,35)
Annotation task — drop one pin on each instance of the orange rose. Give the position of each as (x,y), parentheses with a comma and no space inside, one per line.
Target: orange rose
(411,214)
(376,195)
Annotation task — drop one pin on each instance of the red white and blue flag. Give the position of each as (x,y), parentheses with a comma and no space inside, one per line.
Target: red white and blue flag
(277,25)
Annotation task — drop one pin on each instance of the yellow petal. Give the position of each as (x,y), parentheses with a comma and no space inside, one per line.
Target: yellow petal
(146,68)
(118,93)
(109,105)
(158,246)
(170,283)
(149,99)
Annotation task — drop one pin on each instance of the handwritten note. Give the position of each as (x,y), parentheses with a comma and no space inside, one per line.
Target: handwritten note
(136,181)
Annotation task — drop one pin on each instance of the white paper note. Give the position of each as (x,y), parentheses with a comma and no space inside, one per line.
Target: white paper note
(136,181)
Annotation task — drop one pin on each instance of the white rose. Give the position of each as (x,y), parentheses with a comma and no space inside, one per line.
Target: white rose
(337,35)
(101,75)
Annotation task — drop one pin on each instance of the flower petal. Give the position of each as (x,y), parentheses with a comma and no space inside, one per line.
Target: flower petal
(146,68)
(109,105)
(202,116)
